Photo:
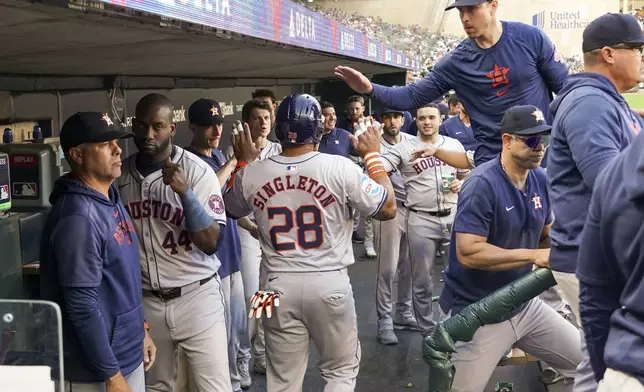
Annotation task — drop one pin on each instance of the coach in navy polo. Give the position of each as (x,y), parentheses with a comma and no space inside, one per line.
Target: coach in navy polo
(90,263)
(206,122)
(335,141)
(500,233)
(611,273)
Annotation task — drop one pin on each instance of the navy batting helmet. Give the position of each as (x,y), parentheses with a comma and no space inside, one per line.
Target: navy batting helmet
(299,120)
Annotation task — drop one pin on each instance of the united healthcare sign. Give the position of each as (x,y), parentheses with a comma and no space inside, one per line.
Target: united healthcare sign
(564,20)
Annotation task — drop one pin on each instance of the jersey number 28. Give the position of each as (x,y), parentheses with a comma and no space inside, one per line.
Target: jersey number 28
(306,219)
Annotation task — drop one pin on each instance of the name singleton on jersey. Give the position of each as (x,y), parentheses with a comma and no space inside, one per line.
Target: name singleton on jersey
(286,183)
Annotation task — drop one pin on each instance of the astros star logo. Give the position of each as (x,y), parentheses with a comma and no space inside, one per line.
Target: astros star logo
(538,114)
(537,202)
(107,119)
(499,77)
(214,111)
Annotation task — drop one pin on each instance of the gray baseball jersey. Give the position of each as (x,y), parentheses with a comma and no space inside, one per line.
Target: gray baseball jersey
(303,209)
(168,259)
(394,176)
(423,178)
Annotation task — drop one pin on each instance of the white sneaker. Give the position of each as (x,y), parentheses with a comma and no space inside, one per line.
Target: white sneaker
(370,252)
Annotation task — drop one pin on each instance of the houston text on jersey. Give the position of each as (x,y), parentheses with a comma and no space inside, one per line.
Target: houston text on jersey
(426,163)
(155,209)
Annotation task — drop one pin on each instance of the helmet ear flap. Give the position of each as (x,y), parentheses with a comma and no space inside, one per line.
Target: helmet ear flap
(319,131)
(281,131)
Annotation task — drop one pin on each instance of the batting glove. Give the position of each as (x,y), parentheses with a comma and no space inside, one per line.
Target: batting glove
(263,301)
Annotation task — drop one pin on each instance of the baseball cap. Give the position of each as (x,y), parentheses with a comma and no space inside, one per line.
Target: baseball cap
(90,127)
(464,3)
(524,120)
(390,111)
(444,110)
(205,112)
(610,30)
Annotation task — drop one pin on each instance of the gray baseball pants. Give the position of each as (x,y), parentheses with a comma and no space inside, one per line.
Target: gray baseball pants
(236,324)
(251,254)
(569,287)
(316,306)
(425,233)
(195,322)
(538,330)
(393,257)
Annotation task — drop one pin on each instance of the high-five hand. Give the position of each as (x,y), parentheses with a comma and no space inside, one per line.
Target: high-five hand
(369,140)
(362,125)
(424,152)
(356,80)
(246,149)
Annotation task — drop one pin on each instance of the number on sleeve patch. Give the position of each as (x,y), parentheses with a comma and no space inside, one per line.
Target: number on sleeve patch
(216,204)
(369,186)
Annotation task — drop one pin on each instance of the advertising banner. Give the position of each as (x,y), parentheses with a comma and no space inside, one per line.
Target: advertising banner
(277,20)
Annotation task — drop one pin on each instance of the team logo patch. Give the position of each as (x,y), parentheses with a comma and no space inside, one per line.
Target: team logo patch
(538,114)
(369,186)
(499,77)
(216,204)
(537,202)
(107,119)
(291,168)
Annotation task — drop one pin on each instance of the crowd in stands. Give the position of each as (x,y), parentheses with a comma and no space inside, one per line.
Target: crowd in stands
(416,41)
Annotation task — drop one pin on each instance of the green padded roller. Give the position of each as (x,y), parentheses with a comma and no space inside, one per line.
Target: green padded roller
(438,347)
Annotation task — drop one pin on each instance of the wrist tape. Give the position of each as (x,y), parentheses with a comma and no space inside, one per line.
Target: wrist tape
(374,165)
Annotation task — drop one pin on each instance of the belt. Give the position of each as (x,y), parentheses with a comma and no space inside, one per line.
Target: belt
(440,214)
(170,294)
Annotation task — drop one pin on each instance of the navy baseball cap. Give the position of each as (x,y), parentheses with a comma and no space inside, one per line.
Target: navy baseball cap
(390,111)
(464,3)
(90,127)
(610,30)
(205,112)
(524,120)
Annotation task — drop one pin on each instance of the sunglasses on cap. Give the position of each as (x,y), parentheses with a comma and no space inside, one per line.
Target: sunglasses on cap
(534,141)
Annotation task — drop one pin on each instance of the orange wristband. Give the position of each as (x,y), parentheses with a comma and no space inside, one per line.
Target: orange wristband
(240,165)
(375,168)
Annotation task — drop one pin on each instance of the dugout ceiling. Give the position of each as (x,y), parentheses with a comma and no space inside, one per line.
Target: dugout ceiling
(94,39)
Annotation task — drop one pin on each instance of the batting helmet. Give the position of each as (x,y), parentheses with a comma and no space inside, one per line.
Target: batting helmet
(299,120)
